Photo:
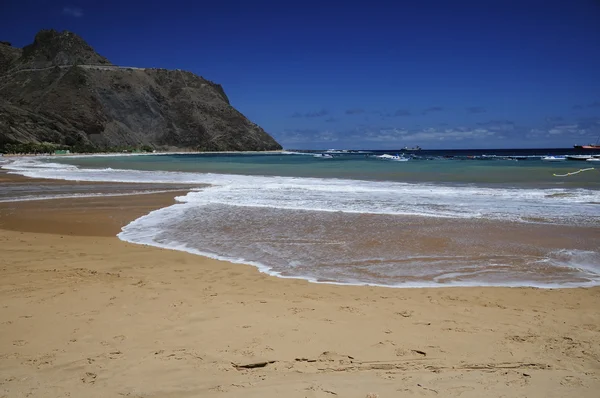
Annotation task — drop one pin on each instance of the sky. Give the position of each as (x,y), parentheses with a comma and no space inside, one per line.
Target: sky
(363,74)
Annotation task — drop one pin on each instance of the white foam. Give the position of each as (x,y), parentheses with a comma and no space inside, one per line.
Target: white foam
(351,196)
(225,233)
(145,229)
(585,261)
(29,198)
(296,153)
(336,195)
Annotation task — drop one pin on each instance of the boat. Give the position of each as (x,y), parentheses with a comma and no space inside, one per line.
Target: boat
(396,158)
(553,158)
(579,157)
(323,155)
(399,158)
(417,148)
(589,146)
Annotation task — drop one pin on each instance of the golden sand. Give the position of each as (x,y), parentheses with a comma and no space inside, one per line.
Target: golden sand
(83,314)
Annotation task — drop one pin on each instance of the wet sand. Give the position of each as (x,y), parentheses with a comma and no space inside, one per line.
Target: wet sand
(388,250)
(84,314)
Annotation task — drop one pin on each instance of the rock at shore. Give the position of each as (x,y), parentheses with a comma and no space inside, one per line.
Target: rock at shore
(59,90)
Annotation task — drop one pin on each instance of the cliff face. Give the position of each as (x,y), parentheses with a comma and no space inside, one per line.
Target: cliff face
(8,55)
(59,90)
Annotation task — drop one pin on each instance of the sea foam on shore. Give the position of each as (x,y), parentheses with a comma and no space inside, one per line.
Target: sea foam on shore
(368,232)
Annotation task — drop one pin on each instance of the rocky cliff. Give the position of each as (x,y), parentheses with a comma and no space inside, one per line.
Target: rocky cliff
(59,90)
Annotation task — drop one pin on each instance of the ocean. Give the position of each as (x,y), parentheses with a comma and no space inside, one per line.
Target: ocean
(442,218)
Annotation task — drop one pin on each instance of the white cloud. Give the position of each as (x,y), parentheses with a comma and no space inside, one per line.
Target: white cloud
(73,12)
(499,125)
(560,130)
(426,134)
(481,134)
(567,127)
(536,133)
(326,136)
(300,136)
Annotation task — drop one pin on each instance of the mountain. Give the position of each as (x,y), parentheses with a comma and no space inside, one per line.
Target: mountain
(59,90)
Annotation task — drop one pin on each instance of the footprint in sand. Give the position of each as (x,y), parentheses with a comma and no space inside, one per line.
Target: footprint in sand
(405,314)
(352,310)
(89,378)
(119,338)
(571,381)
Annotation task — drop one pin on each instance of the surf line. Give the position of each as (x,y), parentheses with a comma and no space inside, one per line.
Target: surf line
(575,172)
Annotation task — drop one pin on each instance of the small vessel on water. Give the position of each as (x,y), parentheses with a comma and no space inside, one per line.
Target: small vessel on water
(323,156)
(399,159)
(579,157)
(417,148)
(396,158)
(551,158)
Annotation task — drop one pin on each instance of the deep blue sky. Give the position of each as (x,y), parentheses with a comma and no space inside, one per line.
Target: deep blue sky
(363,74)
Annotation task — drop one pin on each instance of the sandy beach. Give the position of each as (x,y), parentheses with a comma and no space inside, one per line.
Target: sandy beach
(84,314)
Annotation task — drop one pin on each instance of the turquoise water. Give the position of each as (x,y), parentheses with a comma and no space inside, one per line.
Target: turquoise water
(523,173)
(438,219)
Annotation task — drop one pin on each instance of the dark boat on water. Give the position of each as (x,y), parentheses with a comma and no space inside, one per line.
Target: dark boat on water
(590,146)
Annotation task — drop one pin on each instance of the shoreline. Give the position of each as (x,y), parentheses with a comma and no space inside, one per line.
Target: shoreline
(109,154)
(89,315)
(269,271)
(138,189)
